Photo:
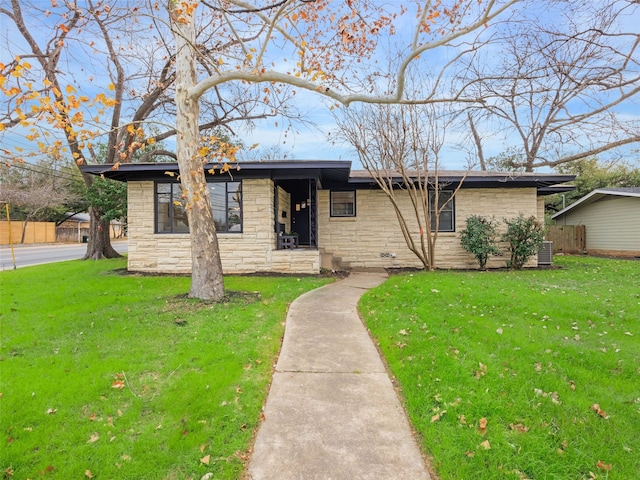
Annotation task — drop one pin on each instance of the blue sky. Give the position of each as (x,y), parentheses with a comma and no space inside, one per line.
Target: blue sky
(299,141)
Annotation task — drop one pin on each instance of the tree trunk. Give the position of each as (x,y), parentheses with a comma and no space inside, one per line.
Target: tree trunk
(206,267)
(24,229)
(99,245)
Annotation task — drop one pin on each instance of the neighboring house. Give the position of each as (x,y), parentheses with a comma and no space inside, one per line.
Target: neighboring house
(341,219)
(611,217)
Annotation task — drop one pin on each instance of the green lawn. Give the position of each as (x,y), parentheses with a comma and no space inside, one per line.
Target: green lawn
(116,376)
(518,375)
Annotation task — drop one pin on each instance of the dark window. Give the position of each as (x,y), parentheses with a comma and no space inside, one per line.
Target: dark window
(447,214)
(226,203)
(171,214)
(343,204)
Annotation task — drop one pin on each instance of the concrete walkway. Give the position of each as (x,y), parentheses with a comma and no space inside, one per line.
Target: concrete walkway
(332,411)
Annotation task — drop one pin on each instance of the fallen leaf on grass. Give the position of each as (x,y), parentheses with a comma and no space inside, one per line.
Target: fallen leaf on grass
(572,385)
(94,438)
(88,474)
(206,459)
(51,411)
(482,372)
(518,427)
(470,454)
(119,384)
(438,416)
(603,466)
(596,408)
(482,426)
(486,445)
(207,476)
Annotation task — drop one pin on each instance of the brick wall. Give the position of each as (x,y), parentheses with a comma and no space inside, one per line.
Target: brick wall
(359,241)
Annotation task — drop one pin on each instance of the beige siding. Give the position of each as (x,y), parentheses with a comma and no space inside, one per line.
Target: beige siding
(253,250)
(612,223)
(373,237)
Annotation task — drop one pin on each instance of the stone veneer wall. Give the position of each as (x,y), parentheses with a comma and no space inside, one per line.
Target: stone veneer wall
(253,250)
(284,205)
(358,242)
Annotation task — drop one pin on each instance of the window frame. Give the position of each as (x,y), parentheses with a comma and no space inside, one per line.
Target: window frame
(175,194)
(347,215)
(451,207)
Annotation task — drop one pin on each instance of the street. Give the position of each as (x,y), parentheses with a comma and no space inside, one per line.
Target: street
(29,255)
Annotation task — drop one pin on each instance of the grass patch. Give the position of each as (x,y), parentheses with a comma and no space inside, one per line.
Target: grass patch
(123,377)
(523,375)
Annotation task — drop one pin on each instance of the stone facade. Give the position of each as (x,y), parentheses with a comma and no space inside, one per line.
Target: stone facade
(373,238)
(370,239)
(253,250)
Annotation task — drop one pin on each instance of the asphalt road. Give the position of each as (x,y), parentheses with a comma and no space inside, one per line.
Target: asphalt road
(29,255)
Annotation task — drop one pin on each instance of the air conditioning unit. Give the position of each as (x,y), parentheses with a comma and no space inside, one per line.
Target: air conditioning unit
(545,254)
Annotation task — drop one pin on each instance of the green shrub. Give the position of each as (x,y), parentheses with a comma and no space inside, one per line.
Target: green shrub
(525,237)
(479,238)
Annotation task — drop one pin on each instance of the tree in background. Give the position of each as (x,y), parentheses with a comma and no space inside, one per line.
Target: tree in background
(558,89)
(37,192)
(592,174)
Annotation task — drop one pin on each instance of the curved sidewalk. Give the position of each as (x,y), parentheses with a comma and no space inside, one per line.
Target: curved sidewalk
(332,411)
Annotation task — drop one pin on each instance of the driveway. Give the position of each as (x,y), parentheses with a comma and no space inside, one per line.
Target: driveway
(29,255)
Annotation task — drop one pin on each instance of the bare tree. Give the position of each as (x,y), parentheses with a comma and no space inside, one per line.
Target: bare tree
(558,89)
(332,43)
(61,50)
(399,145)
(36,191)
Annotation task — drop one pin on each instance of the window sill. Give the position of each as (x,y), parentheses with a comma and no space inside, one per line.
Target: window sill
(343,219)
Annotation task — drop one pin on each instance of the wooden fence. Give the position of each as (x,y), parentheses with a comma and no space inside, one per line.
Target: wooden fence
(36,232)
(567,238)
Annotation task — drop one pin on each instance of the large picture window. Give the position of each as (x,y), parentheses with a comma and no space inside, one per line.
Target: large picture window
(343,204)
(447,214)
(226,203)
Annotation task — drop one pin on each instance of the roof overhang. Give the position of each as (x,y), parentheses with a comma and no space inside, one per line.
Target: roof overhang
(334,174)
(546,183)
(326,171)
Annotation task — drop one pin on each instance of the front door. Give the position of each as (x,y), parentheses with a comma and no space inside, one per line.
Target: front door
(300,212)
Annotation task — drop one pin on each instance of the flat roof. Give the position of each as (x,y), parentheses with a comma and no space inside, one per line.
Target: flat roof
(334,174)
